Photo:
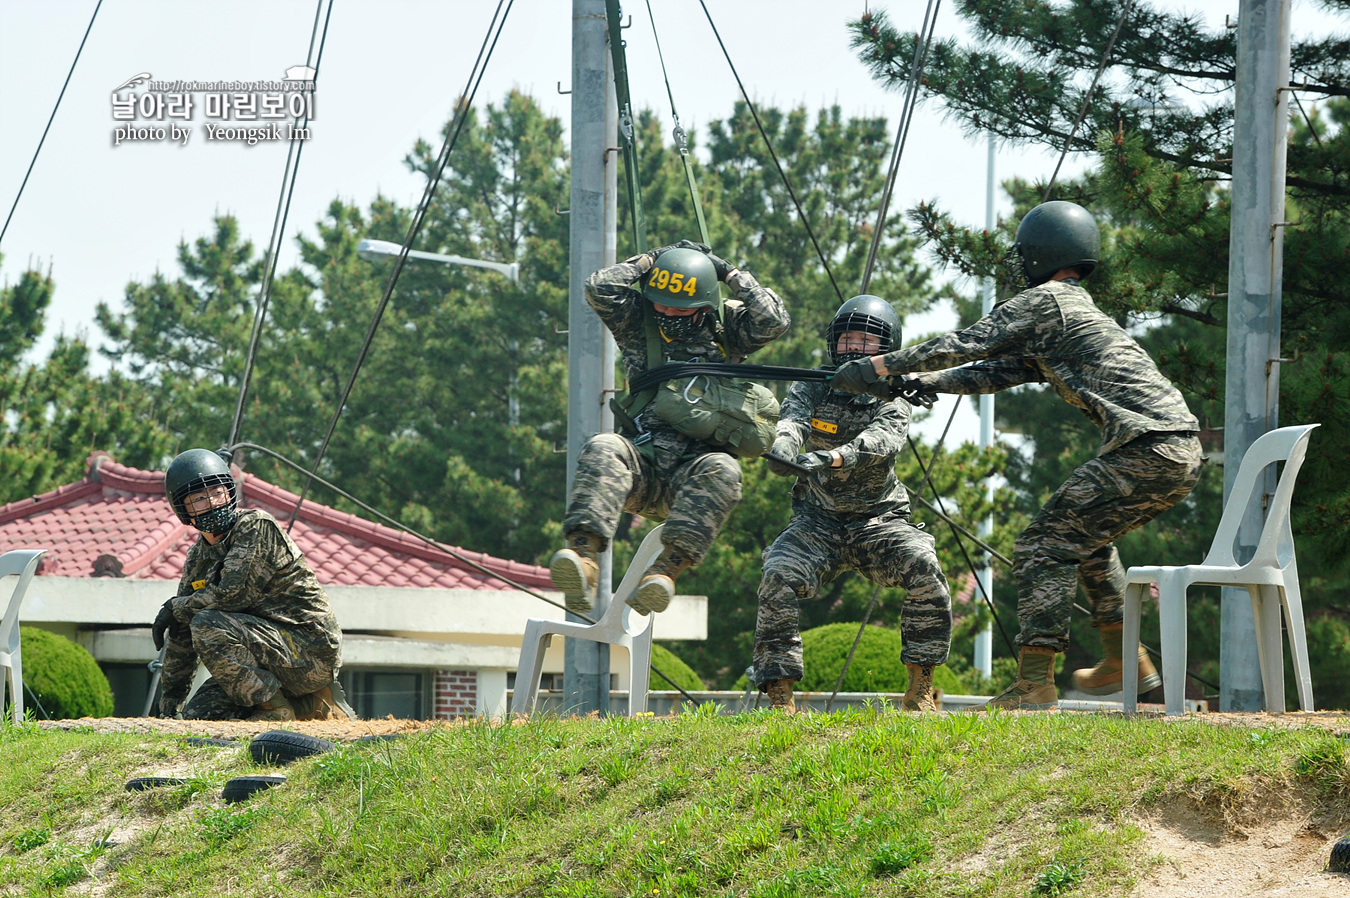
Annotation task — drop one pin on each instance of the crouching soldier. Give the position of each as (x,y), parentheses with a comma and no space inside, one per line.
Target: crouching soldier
(1149,459)
(849,513)
(665,306)
(248,607)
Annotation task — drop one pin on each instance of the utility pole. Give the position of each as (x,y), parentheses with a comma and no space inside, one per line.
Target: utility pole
(591,351)
(984,640)
(1255,271)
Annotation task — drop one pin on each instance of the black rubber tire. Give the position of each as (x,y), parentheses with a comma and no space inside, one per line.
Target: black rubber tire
(241,788)
(1340,857)
(283,747)
(206,740)
(141,783)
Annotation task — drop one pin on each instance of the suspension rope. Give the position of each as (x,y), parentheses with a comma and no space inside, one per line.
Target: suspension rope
(921,46)
(627,127)
(1087,100)
(288,176)
(679,135)
(414,228)
(50,119)
(768,143)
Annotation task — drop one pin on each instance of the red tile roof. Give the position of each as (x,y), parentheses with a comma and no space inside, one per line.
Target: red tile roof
(119,514)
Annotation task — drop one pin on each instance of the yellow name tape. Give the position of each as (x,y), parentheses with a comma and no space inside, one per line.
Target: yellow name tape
(824,425)
(198,584)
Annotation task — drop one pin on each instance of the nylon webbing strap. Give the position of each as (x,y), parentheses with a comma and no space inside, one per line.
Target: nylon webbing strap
(627,130)
(679,135)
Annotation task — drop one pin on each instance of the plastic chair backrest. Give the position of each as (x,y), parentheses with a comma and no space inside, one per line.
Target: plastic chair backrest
(23,563)
(1286,444)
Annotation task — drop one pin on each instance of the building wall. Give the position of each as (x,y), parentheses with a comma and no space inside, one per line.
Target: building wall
(456,694)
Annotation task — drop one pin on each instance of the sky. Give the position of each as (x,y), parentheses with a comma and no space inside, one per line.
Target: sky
(100,215)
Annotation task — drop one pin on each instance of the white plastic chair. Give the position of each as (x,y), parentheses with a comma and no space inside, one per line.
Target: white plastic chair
(620,625)
(1271,577)
(20,563)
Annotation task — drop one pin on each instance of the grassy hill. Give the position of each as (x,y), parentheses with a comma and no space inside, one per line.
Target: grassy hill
(854,803)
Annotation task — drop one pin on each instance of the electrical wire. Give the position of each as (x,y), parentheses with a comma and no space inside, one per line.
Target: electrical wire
(50,119)
(902,132)
(283,212)
(414,228)
(768,143)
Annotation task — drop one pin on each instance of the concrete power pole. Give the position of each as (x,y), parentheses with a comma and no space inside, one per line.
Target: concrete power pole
(984,640)
(1255,271)
(590,348)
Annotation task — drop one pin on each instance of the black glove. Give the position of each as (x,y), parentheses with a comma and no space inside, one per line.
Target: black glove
(815,461)
(914,391)
(855,376)
(721,266)
(784,449)
(683,244)
(163,621)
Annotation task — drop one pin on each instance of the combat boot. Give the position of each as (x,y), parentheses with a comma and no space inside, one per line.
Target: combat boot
(1109,674)
(657,586)
(328,703)
(780,696)
(919,694)
(575,571)
(278,707)
(1035,686)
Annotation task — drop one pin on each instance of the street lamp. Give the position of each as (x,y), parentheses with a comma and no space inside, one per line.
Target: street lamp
(372,250)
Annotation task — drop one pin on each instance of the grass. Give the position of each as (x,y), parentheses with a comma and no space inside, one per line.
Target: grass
(855,803)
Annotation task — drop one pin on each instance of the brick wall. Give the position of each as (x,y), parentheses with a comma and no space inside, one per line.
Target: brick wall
(456,694)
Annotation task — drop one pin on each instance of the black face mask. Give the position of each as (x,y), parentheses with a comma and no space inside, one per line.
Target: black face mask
(681,328)
(216,520)
(1015,269)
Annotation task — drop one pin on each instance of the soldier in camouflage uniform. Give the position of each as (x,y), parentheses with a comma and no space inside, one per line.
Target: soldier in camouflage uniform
(248,607)
(849,512)
(1149,459)
(652,468)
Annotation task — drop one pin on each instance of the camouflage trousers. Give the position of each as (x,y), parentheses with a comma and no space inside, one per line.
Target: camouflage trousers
(694,499)
(249,659)
(888,550)
(1072,538)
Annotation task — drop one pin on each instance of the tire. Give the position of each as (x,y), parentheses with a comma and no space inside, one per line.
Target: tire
(283,747)
(142,783)
(1340,857)
(241,788)
(198,741)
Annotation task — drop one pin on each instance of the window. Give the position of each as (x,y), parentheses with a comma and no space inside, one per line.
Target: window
(374,694)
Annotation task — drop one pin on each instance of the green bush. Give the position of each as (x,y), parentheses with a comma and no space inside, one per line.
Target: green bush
(65,678)
(673,667)
(876,664)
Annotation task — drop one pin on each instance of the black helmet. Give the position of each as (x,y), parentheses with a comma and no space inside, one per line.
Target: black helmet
(869,314)
(683,279)
(195,470)
(1056,235)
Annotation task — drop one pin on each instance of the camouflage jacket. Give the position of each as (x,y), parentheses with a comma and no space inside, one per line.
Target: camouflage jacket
(256,569)
(867,432)
(1055,334)
(751,320)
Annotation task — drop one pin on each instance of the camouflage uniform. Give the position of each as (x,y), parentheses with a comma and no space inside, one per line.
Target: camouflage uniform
(854,517)
(691,485)
(1149,459)
(252,611)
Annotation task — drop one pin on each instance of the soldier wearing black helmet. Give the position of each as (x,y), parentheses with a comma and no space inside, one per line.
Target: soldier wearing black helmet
(1149,459)
(248,608)
(662,306)
(849,513)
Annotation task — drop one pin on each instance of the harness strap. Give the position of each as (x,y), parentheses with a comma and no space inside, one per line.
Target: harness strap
(627,131)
